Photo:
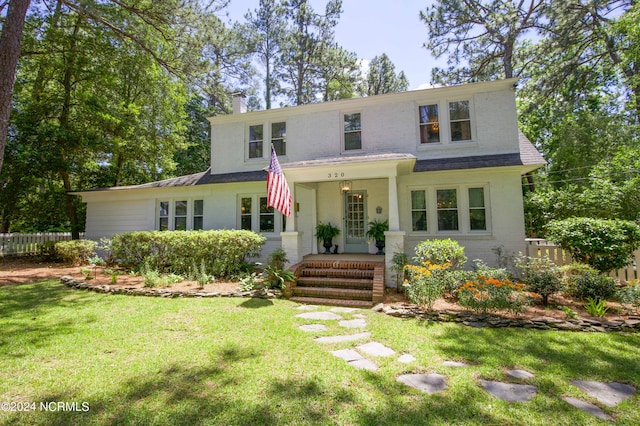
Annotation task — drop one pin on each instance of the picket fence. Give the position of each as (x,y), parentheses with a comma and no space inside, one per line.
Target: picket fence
(27,244)
(537,247)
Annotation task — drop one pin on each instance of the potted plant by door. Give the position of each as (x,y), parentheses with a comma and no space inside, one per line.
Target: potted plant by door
(376,231)
(326,232)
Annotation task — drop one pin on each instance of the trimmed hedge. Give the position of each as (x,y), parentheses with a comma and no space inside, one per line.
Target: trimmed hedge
(75,251)
(222,252)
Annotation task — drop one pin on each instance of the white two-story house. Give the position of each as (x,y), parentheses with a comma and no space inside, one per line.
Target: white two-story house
(436,163)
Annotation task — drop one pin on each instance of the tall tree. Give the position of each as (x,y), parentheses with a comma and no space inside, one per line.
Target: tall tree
(267,29)
(309,36)
(382,77)
(480,37)
(10,45)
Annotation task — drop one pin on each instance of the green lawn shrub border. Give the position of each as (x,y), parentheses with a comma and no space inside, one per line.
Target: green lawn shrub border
(224,253)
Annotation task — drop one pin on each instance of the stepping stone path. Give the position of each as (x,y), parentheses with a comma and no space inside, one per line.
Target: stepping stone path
(428,383)
(608,394)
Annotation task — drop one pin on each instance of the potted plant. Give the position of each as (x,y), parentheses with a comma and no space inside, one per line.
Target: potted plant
(326,232)
(376,231)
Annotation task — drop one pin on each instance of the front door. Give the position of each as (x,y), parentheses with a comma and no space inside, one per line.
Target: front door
(355,222)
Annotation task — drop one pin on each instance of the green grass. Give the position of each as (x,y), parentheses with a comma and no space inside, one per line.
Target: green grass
(138,360)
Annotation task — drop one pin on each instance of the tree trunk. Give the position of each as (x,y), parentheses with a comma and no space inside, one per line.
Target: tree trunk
(10,44)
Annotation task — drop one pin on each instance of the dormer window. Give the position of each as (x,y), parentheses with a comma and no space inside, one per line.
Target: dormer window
(352,132)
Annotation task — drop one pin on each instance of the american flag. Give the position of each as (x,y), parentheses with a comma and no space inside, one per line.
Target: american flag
(278,193)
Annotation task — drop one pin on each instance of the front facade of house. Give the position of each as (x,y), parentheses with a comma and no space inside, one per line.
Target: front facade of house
(436,163)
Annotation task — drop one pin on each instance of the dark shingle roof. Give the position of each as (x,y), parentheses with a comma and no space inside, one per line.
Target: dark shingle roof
(528,156)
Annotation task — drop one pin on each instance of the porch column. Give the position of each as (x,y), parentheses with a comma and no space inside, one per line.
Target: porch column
(394,216)
(291,238)
(394,237)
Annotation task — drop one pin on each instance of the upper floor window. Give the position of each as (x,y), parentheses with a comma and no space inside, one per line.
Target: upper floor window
(460,121)
(256,138)
(278,137)
(352,131)
(429,124)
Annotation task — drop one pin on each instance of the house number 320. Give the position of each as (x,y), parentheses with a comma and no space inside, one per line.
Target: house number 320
(335,175)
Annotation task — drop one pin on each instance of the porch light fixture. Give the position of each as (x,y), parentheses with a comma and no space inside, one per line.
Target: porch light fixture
(345,186)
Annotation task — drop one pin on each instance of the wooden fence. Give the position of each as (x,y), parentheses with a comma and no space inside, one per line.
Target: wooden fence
(539,248)
(27,244)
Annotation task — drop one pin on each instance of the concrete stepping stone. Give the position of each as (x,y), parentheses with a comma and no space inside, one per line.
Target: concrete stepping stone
(428,383)
(376,349)
(354,359)
(520,374)
(355,323)
(454,364)
(587,407)
(406,358)
(508,391)
(320,316)
(347,354)
(343,310)
(364,364)
(307,307)
(345,338)
(609,394)
(313,327)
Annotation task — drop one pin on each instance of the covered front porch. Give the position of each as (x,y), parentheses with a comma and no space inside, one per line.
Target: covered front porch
(348,192)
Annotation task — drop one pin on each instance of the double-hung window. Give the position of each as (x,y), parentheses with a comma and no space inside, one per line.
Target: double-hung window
(279,137)
(419,210)
(460,121)
(256,138)
(352,131)
(429,124)
(256,216)
(447,209)
(180,215)
(477,210)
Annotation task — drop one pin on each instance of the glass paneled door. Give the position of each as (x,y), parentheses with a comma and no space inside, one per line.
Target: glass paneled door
(355,222)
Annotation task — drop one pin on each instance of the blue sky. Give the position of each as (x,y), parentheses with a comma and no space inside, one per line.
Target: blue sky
(373,27)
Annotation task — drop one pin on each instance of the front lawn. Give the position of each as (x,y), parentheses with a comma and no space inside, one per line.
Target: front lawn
(137,360)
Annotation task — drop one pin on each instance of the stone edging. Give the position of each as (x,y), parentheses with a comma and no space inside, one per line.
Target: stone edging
(163,292)
(544,323)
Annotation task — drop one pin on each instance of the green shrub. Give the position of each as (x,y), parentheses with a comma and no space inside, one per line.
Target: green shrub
(224,252)
(399,260)
(540,275)
(593,286)
(425,284)
(604,244)
(275,274)
(75,251)
(571,271)
(484,294)
(47,251)
(629,296)
(440,252)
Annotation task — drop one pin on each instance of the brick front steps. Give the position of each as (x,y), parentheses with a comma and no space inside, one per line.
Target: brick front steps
(349,283)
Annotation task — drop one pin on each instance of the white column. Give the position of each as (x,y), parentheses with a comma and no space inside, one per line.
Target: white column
(394,215)
(292,223)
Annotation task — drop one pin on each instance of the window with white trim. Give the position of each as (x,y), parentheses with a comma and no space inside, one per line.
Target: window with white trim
(418,210)
(477,210)
(429,123)
(352,131)
(447,209)
(180,215)
(460,121)
(279,137)
(254,215)
(256,138)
